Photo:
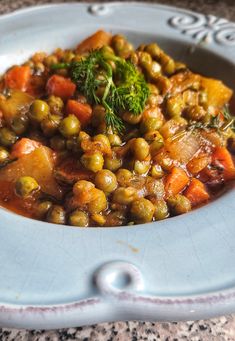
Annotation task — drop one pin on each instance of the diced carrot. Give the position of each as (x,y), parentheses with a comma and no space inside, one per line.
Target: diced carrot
(196,192)
(18,78)
(60,86)
(24,146)
(222,158)
(95,41)
(176,181)
(83,111)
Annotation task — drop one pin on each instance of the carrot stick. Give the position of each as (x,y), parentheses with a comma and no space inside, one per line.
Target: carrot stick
(196,192)
(95,41)
(176,181)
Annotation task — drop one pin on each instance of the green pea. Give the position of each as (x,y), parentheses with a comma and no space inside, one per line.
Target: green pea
(142,210)
(157,172)
(42,208)
(145,60)
(118,42)
(112,163)
(180,66)
(103,139)
(141,167)
(68,56)
(168,64)
(7,137)
(163,84)
(150,124)
(39,110)
(93,161)
(106,180)
(56,105)
(50,125)
(154,70)
(154,50)
(153,135)
(134,58)
(20,124)
(140,148)
(25,186)
(124,177)
(131,118)
(155,146)
(124,195)
(70,126)
(179,204)
(174,106)
(161,210)
(98,204)
(50,60)
(114,140)
(107,52)
(4,156)
(78,218)
(56,215)
(121,46)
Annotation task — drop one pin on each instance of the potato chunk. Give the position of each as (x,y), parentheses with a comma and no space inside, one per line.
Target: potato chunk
(218,93)
(17,103)
(40,165)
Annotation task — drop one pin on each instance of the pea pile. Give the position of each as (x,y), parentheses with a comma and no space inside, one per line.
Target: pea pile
(84,145)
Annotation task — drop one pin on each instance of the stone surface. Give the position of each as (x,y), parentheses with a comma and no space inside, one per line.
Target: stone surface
(217,329)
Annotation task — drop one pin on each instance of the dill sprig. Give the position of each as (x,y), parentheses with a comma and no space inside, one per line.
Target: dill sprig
(125,88)
(132,90)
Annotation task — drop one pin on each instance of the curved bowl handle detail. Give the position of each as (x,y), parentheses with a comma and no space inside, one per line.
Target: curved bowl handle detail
(118,277)
(205,28)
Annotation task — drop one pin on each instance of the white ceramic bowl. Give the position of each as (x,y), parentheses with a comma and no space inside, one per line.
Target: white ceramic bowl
(182,268)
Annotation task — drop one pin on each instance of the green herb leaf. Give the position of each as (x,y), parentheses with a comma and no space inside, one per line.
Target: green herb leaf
(125,89)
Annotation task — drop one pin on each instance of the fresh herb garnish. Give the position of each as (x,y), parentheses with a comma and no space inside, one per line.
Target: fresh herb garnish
(229,119)
(215,122)
(124,87)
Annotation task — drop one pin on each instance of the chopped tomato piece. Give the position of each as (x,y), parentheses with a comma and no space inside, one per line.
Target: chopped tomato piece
(18,78)
(24,146)
(83,111)
(60,86)
(176,181)
(196,192)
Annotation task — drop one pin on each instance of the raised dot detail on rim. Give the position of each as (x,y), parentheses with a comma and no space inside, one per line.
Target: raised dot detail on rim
(99,9)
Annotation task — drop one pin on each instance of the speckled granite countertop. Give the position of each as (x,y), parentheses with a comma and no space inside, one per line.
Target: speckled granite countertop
(217,329)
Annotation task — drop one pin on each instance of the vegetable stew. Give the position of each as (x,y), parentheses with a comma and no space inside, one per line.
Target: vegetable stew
(109,135)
